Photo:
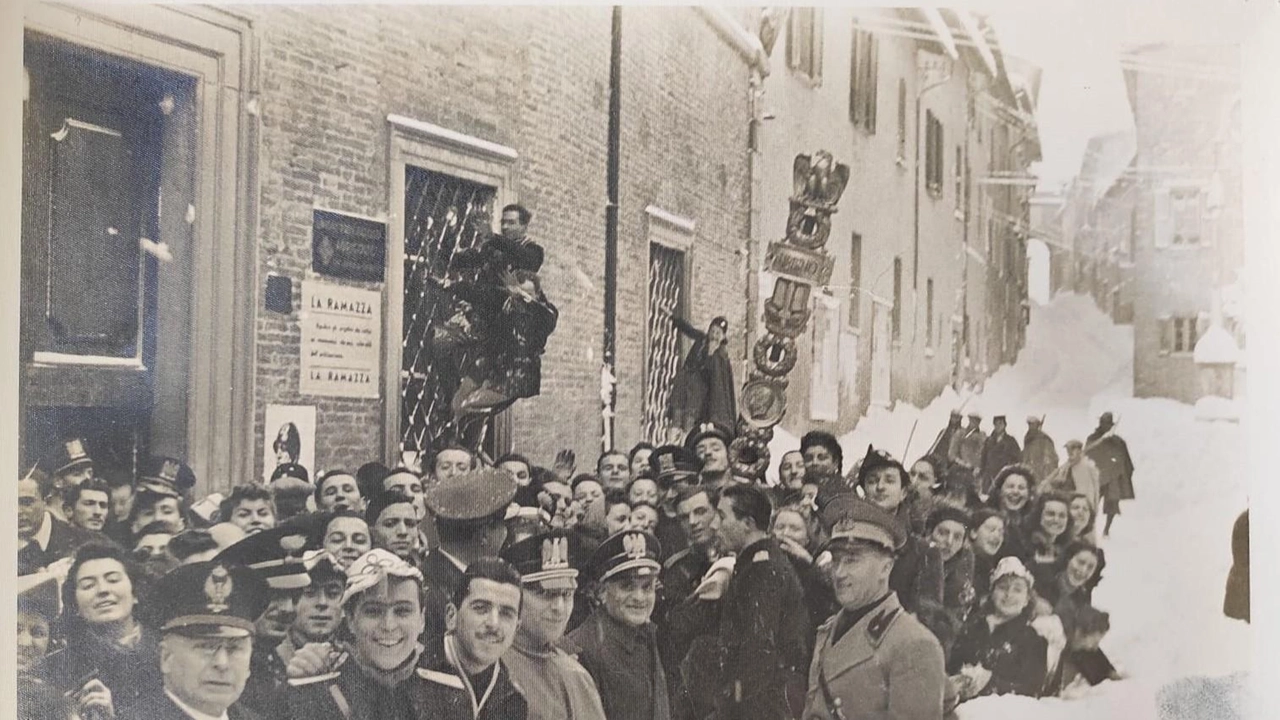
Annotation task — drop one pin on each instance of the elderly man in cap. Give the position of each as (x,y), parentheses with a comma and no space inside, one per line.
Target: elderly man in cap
(709,443)
(470,513)
(555,685)
(998,452)
(617,644)
(205,613)
(873,660)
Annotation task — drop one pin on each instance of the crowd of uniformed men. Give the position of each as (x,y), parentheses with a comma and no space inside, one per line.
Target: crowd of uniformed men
(657,586)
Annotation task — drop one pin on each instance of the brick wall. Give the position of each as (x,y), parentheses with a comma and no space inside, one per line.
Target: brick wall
(534,79)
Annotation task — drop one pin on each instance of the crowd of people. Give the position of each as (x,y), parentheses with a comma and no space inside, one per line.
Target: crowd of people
(656,585)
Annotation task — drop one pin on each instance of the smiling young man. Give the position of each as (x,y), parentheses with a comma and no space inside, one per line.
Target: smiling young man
(555,685)
(617,644)
(382,671)
(479,629)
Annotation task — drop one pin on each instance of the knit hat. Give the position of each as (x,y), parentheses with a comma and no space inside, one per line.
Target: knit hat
(948,512)
(1012,566)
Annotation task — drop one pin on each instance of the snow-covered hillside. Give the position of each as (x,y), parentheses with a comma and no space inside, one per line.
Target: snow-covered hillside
(1169,551)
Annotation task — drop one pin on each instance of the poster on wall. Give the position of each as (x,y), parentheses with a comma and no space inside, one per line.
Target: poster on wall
(289,436)
(341,341)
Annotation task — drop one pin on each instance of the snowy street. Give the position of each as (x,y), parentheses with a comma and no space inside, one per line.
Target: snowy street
(1169,550)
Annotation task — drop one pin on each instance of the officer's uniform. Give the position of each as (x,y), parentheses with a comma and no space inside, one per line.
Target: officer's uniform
(480,496)
(66,456)
(670,465)
(555,685)
(764,635)
(875,662)
(166,476)
(204,599)
(622,659)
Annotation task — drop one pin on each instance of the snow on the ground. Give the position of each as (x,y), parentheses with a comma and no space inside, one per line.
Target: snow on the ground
(1169,550)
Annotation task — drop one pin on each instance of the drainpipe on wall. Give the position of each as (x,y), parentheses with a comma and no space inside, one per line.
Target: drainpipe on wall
(608,373)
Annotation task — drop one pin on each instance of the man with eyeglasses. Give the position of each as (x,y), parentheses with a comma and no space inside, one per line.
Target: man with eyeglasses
(555,685)
(205,613)
(617,644)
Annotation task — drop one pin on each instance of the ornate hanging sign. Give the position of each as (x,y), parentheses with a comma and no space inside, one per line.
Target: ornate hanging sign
(800,262)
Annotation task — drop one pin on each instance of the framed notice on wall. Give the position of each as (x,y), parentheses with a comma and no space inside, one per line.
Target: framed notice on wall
(341,341)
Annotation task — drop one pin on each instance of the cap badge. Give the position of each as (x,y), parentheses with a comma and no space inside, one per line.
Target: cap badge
(667,462)
(555,553)
(217,589)
(634,546)
(707,427)
(169,471)
(293,544)
(75,448)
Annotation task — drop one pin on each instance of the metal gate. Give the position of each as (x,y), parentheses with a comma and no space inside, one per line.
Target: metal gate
(444,214)
(666,290)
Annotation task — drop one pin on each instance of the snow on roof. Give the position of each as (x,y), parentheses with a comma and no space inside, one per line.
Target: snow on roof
(1216,347)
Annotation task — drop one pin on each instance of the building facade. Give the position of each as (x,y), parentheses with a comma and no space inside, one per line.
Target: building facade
(929,237)
(1188,234)
(256,140)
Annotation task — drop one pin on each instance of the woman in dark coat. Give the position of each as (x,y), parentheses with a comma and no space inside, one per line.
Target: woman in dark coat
(998,652)
(1072,588)
(104,639)
(703,388)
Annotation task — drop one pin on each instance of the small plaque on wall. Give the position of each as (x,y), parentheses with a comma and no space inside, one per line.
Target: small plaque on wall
(347,246)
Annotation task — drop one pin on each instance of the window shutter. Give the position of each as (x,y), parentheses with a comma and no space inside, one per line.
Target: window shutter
(873,83)
(854,76)
(1165,324)
(815,42)
(793,44)
(1162,217)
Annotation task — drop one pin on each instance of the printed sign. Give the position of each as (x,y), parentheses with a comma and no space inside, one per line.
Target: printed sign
(348,246)
(341,341)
